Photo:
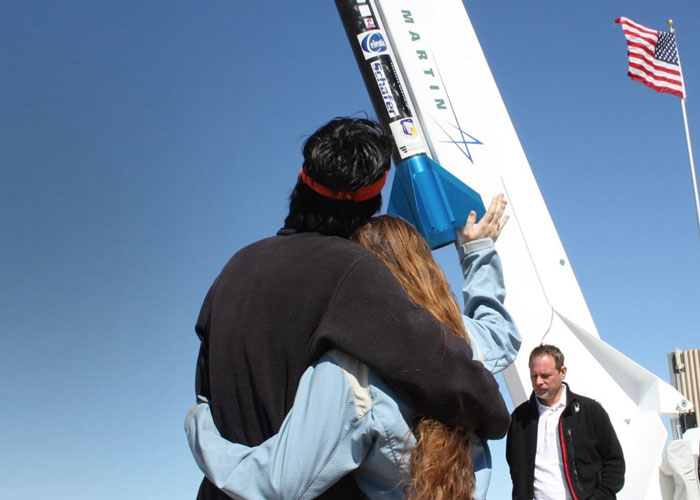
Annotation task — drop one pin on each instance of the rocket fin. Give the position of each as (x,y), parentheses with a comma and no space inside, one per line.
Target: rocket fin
(432,199)
(399,204)
(648,391)
(460,197)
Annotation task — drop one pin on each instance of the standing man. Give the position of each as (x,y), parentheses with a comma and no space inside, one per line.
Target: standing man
(282,301)
(561,446)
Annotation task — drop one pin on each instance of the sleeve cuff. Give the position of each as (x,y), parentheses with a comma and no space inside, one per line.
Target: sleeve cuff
(473,246)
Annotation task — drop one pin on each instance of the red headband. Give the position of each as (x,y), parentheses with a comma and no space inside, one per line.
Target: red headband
(362,194)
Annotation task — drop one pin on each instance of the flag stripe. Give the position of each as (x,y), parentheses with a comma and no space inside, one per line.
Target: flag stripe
(642,47)
(653,64)
(634,35)
(626,21)
(653,58)
(659,80)
(655,87)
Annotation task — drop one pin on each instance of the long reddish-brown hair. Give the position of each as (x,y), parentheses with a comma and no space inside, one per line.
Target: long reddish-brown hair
(441,462)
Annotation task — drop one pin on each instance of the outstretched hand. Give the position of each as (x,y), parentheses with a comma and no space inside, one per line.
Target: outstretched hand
(489,226)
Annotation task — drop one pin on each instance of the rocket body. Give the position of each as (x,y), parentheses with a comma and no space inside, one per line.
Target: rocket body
(423,192)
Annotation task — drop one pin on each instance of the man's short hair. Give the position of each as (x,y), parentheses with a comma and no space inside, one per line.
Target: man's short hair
(345,154)
(550,350)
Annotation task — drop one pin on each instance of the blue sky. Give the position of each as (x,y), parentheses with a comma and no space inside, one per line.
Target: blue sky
(142,143)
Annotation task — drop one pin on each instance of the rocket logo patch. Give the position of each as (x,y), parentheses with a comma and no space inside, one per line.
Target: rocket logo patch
(407,137)
(408,127)
(372,43)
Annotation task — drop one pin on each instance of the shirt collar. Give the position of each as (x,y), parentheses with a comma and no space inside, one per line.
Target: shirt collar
(559,404)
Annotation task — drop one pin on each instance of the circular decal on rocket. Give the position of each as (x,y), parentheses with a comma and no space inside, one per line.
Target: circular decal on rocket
(372,43)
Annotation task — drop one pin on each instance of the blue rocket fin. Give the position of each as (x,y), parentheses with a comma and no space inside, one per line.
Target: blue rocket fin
(460,197)
(432,199)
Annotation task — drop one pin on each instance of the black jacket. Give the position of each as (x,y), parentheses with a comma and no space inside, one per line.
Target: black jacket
(594,465)
(281,302)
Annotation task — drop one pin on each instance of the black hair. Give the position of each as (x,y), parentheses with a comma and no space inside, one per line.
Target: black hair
(345,154)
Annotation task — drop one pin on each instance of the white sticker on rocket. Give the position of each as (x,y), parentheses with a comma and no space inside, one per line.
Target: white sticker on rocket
(407,137)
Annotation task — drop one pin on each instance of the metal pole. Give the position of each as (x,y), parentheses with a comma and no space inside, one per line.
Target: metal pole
(687,136)
(692,163)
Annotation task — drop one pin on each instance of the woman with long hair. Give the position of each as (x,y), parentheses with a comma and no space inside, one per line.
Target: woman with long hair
(345,419)
(441,461)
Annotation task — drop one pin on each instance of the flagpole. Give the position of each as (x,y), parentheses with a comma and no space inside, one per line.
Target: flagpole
(687,135)
(692,163)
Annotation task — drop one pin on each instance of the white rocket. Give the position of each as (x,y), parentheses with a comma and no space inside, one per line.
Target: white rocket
(434,72)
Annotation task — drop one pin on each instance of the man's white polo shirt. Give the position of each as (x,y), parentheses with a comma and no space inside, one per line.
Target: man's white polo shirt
(550,481)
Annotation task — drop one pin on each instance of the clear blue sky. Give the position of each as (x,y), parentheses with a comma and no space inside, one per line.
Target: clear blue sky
(142,143)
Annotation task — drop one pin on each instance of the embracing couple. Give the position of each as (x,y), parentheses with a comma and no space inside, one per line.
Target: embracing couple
(335,361)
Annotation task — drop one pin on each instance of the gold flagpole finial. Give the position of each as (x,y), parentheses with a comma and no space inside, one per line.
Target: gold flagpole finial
(670,23)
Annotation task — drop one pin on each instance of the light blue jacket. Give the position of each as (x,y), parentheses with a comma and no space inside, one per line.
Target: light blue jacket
(347,420)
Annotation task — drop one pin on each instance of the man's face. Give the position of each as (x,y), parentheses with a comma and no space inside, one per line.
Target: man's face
(546,379)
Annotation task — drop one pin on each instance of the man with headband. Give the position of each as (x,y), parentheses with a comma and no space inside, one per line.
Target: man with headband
(282,301)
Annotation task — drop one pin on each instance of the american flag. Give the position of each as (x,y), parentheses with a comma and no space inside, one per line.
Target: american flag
(653,57)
